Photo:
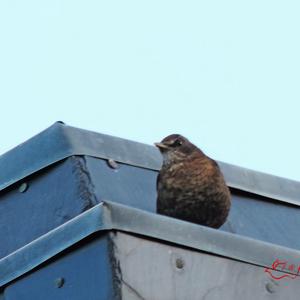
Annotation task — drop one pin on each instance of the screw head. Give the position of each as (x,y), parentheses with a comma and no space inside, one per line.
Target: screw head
(59,282)
(113,164)
(179,263)
(23,187)
(270,288)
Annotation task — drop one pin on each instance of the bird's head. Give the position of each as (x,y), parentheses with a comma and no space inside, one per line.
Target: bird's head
(175,147)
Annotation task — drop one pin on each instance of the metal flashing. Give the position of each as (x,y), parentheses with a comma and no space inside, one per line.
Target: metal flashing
(112,216)
(60,141)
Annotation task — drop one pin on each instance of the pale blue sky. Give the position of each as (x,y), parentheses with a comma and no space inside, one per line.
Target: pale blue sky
(224,73)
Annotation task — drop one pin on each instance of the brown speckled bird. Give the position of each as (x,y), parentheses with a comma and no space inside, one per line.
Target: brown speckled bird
(190,185)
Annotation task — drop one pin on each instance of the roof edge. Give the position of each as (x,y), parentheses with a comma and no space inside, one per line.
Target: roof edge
(60,141)
(113,216)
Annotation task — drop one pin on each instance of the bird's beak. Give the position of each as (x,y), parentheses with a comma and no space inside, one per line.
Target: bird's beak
(161,145)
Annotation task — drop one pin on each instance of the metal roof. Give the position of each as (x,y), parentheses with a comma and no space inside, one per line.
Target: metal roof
(113,216)
(61,141)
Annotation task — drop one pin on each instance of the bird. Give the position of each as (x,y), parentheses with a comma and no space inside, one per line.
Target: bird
(190,185)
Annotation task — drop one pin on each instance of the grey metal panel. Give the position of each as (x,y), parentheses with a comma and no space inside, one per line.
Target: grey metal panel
(107,216)
(198,237)
(262,184)
(60,141)
(182,274)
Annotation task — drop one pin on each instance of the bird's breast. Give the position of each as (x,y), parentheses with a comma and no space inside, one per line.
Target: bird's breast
(177,180)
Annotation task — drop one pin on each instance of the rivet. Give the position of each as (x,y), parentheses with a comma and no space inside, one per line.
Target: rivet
(179,263)
(23,187)
(270,287)
(112,164)
(59,282)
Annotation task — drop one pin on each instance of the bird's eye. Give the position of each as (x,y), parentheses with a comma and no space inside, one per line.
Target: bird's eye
(177,143)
